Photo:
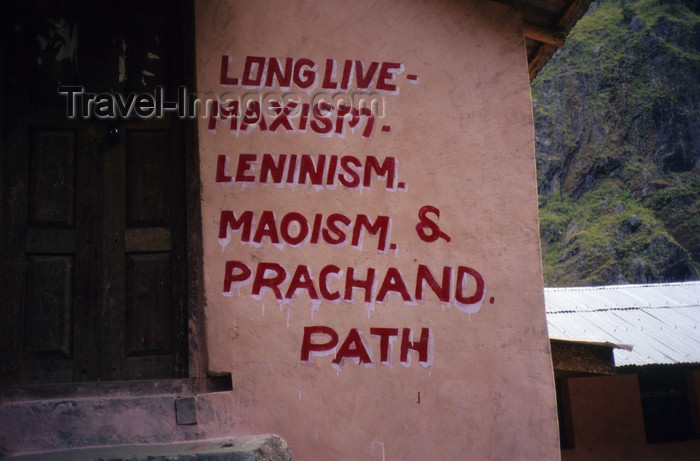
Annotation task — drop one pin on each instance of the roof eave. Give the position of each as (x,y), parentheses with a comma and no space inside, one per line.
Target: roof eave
(546,23)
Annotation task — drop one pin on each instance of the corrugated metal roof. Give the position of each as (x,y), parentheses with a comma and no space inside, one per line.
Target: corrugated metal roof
(660,321)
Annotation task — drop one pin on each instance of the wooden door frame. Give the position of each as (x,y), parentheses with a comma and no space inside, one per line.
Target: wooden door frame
(193,343)
(196,340)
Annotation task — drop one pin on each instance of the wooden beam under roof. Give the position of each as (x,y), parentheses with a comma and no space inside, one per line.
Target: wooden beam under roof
(544,35)
(545,26)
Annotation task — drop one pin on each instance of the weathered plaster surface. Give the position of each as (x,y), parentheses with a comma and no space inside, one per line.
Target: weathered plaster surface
(463,136)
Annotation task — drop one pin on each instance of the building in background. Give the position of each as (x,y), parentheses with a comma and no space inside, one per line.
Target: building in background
(627,366)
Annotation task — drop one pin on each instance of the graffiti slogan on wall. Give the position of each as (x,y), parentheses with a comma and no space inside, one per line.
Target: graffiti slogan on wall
(291,106)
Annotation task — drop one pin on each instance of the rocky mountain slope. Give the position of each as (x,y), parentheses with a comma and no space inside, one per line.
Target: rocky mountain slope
(617,123)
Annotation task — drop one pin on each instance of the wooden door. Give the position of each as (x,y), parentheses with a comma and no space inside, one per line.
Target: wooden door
(93,209)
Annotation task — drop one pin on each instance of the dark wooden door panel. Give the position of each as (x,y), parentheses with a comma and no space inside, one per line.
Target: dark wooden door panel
(148,305)
(48,318)
(48,306)
(148,178)
(52,178)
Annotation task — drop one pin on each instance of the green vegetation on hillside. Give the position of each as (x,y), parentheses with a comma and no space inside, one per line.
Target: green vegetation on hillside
(617,114)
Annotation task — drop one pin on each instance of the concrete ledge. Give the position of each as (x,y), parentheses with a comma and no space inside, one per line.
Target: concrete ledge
(266,447)
(52,425)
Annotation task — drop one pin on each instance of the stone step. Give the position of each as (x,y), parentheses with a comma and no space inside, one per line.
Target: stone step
(68,418)
(243,448)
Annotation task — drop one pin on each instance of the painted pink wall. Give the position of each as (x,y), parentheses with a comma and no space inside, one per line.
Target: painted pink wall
(475,378)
